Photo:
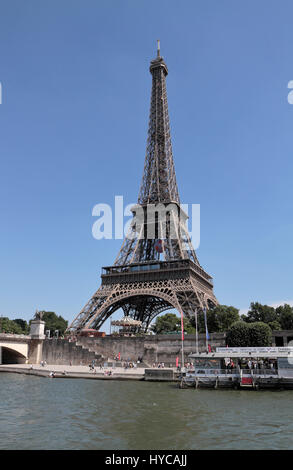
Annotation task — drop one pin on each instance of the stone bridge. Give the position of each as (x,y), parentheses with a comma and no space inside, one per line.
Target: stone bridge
(22,349)
(33,348)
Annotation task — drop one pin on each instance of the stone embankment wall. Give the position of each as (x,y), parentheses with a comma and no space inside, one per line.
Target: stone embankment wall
(153,349)
(60,351)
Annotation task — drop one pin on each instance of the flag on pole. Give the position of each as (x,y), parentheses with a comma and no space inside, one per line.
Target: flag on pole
(182,327)
(182,339)
(196,331)
(207,331)
(206,324)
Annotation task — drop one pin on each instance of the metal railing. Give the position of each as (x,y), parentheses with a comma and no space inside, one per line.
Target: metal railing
(236,371)
(216,372)
(264,372)
(13,335)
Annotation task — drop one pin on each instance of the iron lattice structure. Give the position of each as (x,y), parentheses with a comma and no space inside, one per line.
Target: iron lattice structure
(140,282)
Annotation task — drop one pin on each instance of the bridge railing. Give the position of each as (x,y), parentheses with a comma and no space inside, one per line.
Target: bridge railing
(13,335)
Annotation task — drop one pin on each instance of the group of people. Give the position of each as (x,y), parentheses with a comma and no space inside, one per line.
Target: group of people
(130,365)
(160,365)
(251,364)
(102,369)
(92,365)
(189,365)
(230,365)
(259,364)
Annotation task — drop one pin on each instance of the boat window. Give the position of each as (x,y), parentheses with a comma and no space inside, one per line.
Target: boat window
(283,363)
(207,363)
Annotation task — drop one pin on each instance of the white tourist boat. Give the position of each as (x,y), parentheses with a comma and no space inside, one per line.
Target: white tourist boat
(248,368)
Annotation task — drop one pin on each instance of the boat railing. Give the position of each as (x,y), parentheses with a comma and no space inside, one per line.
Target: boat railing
(264,371)
(216,371)
(235,371)
(259,371)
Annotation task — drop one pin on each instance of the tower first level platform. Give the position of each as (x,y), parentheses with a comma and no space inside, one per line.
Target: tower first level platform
(157,271)
(144,290)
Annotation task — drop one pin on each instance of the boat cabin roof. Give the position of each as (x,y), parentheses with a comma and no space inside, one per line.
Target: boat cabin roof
(265,352)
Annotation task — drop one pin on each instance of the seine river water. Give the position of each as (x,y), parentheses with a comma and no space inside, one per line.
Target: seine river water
(44,413)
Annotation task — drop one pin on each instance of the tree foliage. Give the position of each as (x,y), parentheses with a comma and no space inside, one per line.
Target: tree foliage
(285,316)
(243,334)
(19,326)
(220,318)
(10,326)
(167,323)
(54,322)
(23,325)
(274,325)
(171,323)
(260,334)
(238,334)
(280,318)
(260,313)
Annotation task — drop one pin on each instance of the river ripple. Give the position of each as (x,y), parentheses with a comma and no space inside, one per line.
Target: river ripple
(44,413)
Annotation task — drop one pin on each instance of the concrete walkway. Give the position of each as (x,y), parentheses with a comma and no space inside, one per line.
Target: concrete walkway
(65,371)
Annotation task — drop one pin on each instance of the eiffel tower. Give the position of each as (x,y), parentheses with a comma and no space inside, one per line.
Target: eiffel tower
(156,268)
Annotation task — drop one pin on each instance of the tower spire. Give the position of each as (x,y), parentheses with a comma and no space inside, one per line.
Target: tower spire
(159,180)
(158,48)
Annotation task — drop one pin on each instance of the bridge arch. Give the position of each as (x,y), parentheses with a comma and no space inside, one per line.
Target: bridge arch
(13,353)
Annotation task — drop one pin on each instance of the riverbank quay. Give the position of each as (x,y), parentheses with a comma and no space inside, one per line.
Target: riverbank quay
(74,372)
(84,372)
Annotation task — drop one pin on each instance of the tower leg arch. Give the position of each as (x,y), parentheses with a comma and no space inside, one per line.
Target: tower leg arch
(181,294)
(128,301)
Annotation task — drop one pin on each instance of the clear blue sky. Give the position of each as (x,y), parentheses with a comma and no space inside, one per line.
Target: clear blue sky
(73,127)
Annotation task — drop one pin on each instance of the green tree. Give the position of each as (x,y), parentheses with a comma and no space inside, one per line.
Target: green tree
(260,313)
(23,325)
(238,334)
(221,317)
(54,322)
(243,334)
(275,325)
(285,315)
(166,324)
(171,323)
(189,326)
(9,326)
(260,334)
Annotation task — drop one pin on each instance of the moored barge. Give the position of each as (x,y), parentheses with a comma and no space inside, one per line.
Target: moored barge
(241,368)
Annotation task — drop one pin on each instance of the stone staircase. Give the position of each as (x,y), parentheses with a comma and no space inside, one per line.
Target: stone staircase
(89,353)
(62,351)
